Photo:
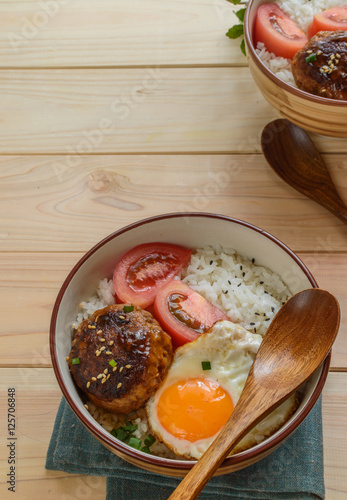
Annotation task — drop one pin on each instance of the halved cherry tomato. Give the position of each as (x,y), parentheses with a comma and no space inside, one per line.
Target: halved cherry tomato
(329,20)
(184,313)
(144,269)
(280,34)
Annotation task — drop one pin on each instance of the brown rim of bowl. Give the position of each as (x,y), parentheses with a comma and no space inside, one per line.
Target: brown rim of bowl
(105,437)
(285,86)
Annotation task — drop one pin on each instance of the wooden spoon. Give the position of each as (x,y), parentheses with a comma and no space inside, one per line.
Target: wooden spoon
(293,156)
(296,343)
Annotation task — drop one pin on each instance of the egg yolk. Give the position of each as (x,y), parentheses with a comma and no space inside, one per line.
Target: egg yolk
(194,409)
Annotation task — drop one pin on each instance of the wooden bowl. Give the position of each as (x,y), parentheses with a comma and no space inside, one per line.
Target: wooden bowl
(317,114)
(192,230)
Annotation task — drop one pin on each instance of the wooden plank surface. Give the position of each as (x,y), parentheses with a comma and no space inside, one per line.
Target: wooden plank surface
(134,110)
(38,397)
(46,201)
(116,33)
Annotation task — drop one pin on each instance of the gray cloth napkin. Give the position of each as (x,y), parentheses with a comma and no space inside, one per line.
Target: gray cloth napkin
(293,471)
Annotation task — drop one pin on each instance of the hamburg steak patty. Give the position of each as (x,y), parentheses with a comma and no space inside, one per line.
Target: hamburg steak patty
(321,66)
(122,357)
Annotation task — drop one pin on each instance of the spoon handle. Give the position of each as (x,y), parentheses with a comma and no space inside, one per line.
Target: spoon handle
(252,406)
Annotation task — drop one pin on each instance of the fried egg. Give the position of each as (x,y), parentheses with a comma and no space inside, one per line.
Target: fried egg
(202,387)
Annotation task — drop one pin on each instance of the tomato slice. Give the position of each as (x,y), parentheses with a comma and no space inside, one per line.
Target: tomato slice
(184,313)
(280,34)
(329,20)
(144,269)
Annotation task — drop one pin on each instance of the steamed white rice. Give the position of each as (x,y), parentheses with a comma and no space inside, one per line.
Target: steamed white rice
(302,12)
(248,293)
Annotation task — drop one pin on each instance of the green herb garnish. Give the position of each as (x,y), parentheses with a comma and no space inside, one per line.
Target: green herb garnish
(311,58)
(145,449)
(206,365)
(75,361)
(149,440)
(135,443)
(120,433)
(128,309)
(130,427)
(113,363)
(237,30)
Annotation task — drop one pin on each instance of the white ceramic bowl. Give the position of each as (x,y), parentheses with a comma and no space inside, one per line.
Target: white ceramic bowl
(191,230)
(314,113)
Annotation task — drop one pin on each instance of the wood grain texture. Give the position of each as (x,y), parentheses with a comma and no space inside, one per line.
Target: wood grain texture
(29,297)
(292,155)
(116,33)
(46,202)
(148,110)
(36,424)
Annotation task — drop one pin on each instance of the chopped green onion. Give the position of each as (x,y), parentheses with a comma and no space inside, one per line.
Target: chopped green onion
(135,442)
(130,427)
(145,449)
(311,58)
(206,365)
(128,309)
(113,363)
(75,361)
(149,440)
(119,433)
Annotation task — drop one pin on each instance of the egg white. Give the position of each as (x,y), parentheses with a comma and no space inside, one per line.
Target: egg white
(231,350)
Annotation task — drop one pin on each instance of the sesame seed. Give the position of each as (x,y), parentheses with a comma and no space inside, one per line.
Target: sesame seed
(127,366)
(93,379)
(108,352)
(88,385)
(308,51)
(97,353)
(338,55)
(252,324)
(229,282)
(67,358)
(108,376)
(243,274)
(102,348)
(121,369)
(106,371)
(91,327)
(99,376)
(111,342)
(122,317)
(102,340)
(119,385)
(86,407)
(211,262)
(98,332)
(103,380)
(114,368)
(319,52)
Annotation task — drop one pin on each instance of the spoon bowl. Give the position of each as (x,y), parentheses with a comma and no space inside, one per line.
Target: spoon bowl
(296,343)
(293,156)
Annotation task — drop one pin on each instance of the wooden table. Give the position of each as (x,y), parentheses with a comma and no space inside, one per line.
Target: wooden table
(112,111)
